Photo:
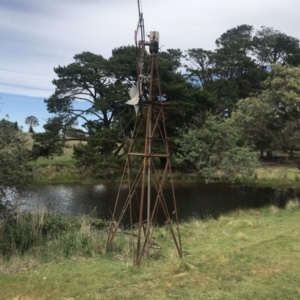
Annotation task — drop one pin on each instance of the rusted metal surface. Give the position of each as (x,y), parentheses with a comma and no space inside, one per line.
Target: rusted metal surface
(147,155)
(152,128)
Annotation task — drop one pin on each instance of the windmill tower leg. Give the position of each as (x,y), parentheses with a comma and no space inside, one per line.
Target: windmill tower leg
(145,182)
(148,181)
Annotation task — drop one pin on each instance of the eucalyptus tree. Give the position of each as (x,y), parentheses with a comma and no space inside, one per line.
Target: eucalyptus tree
(271,119)
(214,149)
(32,121)
(15,173)
(282,91)
(51,141)
(259,125)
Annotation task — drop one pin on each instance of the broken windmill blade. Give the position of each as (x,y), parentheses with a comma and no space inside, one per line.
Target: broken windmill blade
(146,178)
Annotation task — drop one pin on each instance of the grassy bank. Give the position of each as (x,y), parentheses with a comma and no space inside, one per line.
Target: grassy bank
(60,169)
(266,175)
(275,175)
(253,254)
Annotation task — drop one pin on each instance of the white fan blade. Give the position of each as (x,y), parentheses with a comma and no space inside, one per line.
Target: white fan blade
(132,92)
(135,100)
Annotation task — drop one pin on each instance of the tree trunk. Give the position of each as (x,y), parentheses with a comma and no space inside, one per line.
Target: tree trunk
(291,154)
(262,153)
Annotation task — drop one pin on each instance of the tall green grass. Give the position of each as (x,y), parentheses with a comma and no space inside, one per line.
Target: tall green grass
(47,237)
(246,254)
(58,173)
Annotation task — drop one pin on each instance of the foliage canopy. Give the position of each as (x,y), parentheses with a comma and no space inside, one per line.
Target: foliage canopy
(236,81)
(15,173)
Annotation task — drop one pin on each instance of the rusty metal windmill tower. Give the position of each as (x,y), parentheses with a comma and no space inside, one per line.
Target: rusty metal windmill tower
(148,144)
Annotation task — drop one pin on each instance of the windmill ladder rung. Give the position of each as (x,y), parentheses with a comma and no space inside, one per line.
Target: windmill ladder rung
(148,155)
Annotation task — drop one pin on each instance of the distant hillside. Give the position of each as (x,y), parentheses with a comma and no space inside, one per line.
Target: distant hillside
(64,159)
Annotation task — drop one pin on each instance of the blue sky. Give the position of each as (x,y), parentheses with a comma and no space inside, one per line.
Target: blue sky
(37,36)
(17,107)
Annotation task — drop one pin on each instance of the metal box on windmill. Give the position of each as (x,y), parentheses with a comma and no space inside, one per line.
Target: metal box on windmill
(154,41)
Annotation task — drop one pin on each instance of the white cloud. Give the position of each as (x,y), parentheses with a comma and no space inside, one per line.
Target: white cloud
(39,35)
(19,83)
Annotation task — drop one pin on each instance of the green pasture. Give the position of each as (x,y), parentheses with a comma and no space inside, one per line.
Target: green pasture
(246,254)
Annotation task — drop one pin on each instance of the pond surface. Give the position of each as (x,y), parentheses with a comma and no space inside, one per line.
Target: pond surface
(193,200)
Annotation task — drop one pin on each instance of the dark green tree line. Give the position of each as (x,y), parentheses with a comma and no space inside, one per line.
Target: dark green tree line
(90,95)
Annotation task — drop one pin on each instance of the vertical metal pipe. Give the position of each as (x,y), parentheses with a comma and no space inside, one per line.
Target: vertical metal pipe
(149,172)
(149,136)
